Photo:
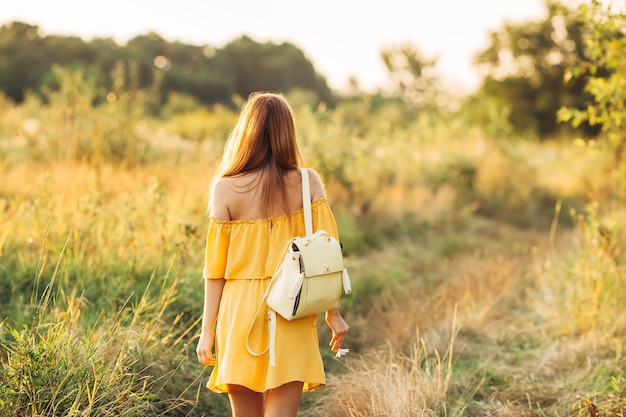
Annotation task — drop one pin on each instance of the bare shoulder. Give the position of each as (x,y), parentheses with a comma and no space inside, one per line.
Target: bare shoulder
(221,192)
(317,185)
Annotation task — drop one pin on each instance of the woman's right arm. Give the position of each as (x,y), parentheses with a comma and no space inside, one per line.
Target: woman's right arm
(212,297)
(212,287)
(316,184)
(337,324)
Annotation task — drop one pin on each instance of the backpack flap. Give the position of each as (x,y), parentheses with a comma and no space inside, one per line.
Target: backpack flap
(320,254)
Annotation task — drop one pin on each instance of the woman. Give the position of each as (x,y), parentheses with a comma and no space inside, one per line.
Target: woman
(255,208)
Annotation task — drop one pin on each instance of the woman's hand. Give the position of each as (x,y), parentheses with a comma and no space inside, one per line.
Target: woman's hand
(205,347)
(339,327)
(212,298)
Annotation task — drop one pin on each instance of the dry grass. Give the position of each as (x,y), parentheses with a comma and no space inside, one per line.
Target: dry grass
(509,359)
(389,382)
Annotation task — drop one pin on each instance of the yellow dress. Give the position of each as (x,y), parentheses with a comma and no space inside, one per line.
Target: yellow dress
(246,253)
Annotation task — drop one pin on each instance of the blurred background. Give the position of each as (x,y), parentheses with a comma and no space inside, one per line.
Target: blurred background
(343,40)
(473,154)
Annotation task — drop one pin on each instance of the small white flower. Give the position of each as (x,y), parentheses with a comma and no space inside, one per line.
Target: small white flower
(342,352)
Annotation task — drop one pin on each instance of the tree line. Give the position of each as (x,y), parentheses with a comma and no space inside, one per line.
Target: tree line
(526,67)
(210,75)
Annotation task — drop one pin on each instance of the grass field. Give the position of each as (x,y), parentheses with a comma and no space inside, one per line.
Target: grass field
(487,272)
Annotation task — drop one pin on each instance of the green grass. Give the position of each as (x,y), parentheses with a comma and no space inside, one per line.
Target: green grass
(100,267)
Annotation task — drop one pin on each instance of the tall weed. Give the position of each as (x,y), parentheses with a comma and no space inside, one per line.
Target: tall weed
(584,290)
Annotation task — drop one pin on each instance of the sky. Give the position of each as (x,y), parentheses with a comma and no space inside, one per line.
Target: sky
(342,38)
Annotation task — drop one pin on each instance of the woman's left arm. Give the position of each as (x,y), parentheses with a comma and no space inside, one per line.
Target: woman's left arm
(339,328)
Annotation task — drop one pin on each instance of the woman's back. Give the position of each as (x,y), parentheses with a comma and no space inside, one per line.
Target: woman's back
(240,197)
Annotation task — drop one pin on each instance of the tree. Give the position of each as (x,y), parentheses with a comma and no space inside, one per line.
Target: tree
(23,58)
(27,58)
(412,75)
(526,64)
(274,67)
(604,73)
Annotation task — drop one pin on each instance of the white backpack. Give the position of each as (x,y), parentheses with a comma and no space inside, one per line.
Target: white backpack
(310,279)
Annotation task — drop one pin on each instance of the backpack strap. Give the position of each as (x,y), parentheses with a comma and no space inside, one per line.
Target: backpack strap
(306,201)
(271,316)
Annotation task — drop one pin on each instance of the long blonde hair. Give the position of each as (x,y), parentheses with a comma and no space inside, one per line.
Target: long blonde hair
(264,140)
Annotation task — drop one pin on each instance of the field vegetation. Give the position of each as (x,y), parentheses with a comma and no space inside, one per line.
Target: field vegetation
(487,267)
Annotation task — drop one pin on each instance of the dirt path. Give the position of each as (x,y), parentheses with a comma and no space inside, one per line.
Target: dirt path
(504,361)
